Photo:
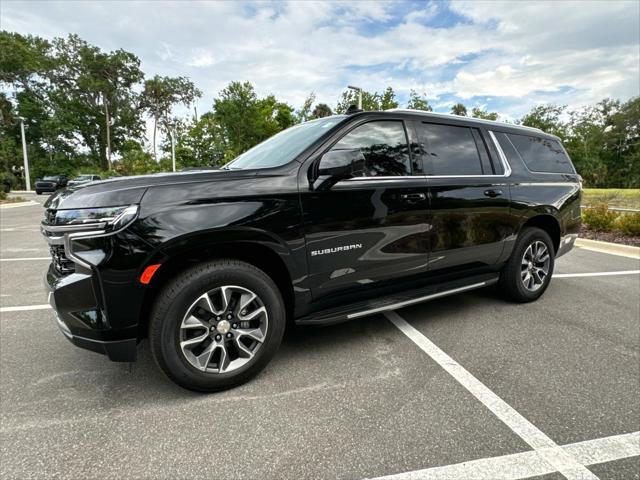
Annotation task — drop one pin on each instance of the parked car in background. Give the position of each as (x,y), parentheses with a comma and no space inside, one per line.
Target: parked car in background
(80,179)
(331,220)
(50,184)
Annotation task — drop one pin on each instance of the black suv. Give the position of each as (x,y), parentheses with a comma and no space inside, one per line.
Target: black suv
(51,183)
(334,219)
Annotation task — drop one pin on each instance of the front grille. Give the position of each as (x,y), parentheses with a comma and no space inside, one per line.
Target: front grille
(60,261)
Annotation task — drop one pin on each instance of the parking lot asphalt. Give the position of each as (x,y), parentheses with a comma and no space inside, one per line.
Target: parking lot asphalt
(357,400)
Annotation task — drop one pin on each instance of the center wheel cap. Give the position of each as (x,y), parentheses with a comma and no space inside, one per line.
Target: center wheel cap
(223,327)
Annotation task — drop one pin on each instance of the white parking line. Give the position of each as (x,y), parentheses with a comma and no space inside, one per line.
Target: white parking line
(24,259)
(546,448)
(595,274)
(27,307)
(529,464)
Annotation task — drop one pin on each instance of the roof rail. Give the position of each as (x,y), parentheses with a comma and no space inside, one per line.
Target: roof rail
(472,119)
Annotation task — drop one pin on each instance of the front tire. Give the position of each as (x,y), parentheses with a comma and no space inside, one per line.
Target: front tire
(38,192)
(528,271)
(216,325)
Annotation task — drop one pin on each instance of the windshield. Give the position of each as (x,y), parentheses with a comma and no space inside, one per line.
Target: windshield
(50,178)
(83,177)
(284,146)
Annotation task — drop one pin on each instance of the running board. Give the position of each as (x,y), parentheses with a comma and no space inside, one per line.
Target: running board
(396,301)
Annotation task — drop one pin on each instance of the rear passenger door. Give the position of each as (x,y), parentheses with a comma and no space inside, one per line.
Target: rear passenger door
(366,230)
(469,196)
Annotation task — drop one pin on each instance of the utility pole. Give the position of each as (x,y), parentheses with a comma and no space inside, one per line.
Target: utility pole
(359,90)
(24,156)
(173,151)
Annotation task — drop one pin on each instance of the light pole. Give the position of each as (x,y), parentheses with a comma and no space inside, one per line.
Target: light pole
(24,155)
(173,151)
(359,90)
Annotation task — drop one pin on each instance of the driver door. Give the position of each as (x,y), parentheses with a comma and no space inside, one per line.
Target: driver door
(369,229)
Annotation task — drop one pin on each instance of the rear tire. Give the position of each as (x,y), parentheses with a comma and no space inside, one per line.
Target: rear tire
(216,325)
(528,271)
(38,192)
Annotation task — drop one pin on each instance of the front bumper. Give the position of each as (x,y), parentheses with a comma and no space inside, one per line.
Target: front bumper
(82,320)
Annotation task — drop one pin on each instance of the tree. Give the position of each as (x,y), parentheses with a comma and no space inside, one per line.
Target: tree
(370,101)
(388,100)
(244,120)
(321,110)
(459,109)
(304,113)
(547,118)
(92,93)
(483,114)
(160,95)
(417,102)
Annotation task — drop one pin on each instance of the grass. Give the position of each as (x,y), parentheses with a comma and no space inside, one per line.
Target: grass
(614,197)
(12,200)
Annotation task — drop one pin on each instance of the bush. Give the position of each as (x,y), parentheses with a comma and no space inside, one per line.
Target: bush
(629,223)
(599,218)
(3,195)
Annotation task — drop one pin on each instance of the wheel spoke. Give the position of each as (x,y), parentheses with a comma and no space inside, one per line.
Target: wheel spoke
(246,299)
(194,322)
(205,357)
(193,341)
(224,361)
(205,302)
(254,334)
(226,297)
(254,314)
(242,348)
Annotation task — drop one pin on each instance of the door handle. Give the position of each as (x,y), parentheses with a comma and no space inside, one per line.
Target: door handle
(492,193)
(414,197)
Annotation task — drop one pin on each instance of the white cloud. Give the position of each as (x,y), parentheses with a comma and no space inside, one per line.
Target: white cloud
(568,52)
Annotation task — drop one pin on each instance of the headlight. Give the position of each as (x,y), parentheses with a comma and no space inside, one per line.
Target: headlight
(107,218)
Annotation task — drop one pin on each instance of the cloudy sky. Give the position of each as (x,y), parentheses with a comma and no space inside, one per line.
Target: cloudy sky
(504,57)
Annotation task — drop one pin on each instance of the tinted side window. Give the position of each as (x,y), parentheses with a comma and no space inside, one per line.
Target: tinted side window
(541,154)
(451,150)
(384,146)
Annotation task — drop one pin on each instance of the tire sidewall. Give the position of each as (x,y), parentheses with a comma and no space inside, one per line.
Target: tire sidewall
(165,339)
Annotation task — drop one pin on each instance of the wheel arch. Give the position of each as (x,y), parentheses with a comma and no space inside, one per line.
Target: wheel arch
(547,222)
(262,252)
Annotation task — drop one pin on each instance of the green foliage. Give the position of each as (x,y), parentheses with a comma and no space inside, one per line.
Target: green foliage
(599,218)
(244,120)
(3,194)
(160,95)
(459,109)
(628,223)
(321,110)
(370,101)
(417,102)
(483,114)
(548,119)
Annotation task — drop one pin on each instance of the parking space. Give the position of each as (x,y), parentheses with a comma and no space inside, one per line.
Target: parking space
(356,400)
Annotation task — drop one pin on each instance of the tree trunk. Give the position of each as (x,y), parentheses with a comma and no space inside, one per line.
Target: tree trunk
(108,125)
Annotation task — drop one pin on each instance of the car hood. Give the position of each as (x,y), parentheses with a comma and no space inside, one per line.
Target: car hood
(129,190)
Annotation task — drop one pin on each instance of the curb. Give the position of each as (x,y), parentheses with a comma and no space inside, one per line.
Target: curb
(608,247)
(18,204)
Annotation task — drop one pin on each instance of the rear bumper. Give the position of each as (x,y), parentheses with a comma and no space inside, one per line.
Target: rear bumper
(81,319)
(566,244)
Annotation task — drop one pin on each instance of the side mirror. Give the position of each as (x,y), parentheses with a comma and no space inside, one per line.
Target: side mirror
(337,165)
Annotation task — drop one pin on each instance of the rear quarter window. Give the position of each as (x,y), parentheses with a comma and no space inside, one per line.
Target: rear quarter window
(541,154)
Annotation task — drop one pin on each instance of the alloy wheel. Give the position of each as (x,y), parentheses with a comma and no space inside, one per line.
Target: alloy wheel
(535,266)
(223,329)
